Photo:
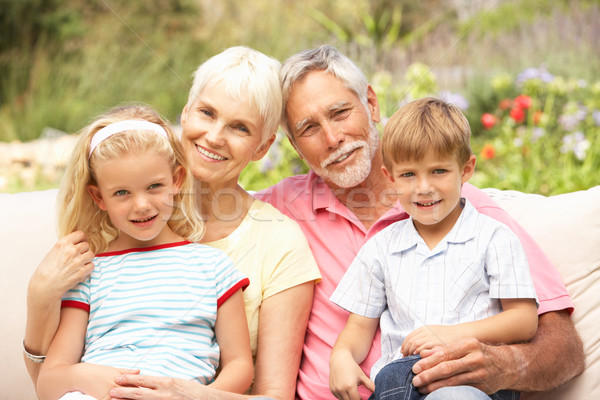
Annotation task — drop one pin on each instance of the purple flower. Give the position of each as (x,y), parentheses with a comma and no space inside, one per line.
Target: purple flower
(456,99)
(540,73)
(596,117)
(576,143)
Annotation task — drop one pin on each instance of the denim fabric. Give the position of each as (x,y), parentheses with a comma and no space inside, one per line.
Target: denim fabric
(394,382)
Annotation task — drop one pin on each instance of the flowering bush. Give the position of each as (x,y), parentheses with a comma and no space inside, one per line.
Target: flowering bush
(546,139)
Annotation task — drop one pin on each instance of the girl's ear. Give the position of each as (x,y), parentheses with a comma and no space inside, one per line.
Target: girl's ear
(263,148)
(94,192)
(469,169)
(178,178)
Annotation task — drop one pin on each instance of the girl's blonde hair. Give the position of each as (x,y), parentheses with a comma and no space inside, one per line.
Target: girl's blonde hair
(423,124)
(76,208)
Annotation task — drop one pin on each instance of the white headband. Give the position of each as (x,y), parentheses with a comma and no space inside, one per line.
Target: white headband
(122,126)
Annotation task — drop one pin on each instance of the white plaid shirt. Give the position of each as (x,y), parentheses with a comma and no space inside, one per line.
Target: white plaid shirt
(396,277)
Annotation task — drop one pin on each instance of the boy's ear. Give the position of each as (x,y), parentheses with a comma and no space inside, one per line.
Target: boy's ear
(388,174)
(469,169)
(263,148)
(94,192)
(178,178)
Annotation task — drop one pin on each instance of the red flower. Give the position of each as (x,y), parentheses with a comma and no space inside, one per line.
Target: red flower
(523,101)
(488,151)
(488,120)
(517,114)
(505,104)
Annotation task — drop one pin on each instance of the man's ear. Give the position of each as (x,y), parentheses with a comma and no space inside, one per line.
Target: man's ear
(178,178)
(469,169)
(263,148)
(388,174)
(373,104)
(94,192)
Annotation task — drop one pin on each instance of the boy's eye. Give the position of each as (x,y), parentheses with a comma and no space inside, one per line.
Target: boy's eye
(439,171)
(407,174)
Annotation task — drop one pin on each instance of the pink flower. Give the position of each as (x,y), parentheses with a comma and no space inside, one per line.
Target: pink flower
(523,101)
(488,120)
(505,104)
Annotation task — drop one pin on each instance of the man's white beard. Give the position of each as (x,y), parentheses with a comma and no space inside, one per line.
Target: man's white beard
(359,170)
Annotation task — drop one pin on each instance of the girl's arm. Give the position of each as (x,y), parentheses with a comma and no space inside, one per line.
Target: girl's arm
(66,264)
(516,323)
(350,349)
(231,331)
(62,371)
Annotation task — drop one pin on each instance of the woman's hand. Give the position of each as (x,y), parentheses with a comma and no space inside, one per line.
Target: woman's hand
(155,387)
(66,264)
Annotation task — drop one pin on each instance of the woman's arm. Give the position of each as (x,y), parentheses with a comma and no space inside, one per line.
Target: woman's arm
(66,264)
(553,357)
(282,326)
(231,331)
(516,323)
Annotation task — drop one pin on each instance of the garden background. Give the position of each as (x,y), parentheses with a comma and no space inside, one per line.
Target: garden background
(525,72)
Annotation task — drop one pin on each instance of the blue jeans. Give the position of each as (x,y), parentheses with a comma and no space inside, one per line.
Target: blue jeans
(394,382)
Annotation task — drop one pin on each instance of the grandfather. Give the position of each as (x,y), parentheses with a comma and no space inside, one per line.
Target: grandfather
(330,113)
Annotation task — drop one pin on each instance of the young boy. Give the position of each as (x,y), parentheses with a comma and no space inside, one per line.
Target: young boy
(443,274)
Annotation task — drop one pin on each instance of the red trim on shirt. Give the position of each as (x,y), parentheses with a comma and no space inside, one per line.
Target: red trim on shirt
(140,249)
(75,304)
(243,284)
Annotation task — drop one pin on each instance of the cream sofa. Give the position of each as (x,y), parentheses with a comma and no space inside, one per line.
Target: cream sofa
(566,226)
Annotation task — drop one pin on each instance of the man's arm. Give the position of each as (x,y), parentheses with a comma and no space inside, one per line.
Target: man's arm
(553,357)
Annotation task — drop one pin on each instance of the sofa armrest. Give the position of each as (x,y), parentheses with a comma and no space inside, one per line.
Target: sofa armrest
(567,228)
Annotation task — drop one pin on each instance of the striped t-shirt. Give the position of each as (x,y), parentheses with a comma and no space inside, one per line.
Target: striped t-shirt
(155,308)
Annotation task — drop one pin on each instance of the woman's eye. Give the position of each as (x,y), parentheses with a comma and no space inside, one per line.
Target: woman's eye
(242,128)
(205,112)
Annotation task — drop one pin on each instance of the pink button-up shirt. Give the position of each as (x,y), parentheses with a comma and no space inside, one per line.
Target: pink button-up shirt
(335,235)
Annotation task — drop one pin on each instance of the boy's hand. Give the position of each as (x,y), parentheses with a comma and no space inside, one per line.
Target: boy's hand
(428,336)
(345,376)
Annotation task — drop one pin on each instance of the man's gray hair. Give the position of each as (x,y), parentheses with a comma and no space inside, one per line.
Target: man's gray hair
(325,58)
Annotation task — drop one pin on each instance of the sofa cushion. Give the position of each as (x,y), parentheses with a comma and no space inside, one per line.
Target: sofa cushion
(27,232)
(567,228)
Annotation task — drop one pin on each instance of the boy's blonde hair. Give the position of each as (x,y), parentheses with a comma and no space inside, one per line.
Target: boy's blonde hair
(424,124)
(76,208)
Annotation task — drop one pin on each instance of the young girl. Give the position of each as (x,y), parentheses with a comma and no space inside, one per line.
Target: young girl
(155,302)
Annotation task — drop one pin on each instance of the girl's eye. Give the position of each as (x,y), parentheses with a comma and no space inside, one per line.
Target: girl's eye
(121,192)
(154,186)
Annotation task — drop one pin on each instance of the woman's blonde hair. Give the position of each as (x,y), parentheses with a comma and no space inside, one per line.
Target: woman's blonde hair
(424,124)
(76,208)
